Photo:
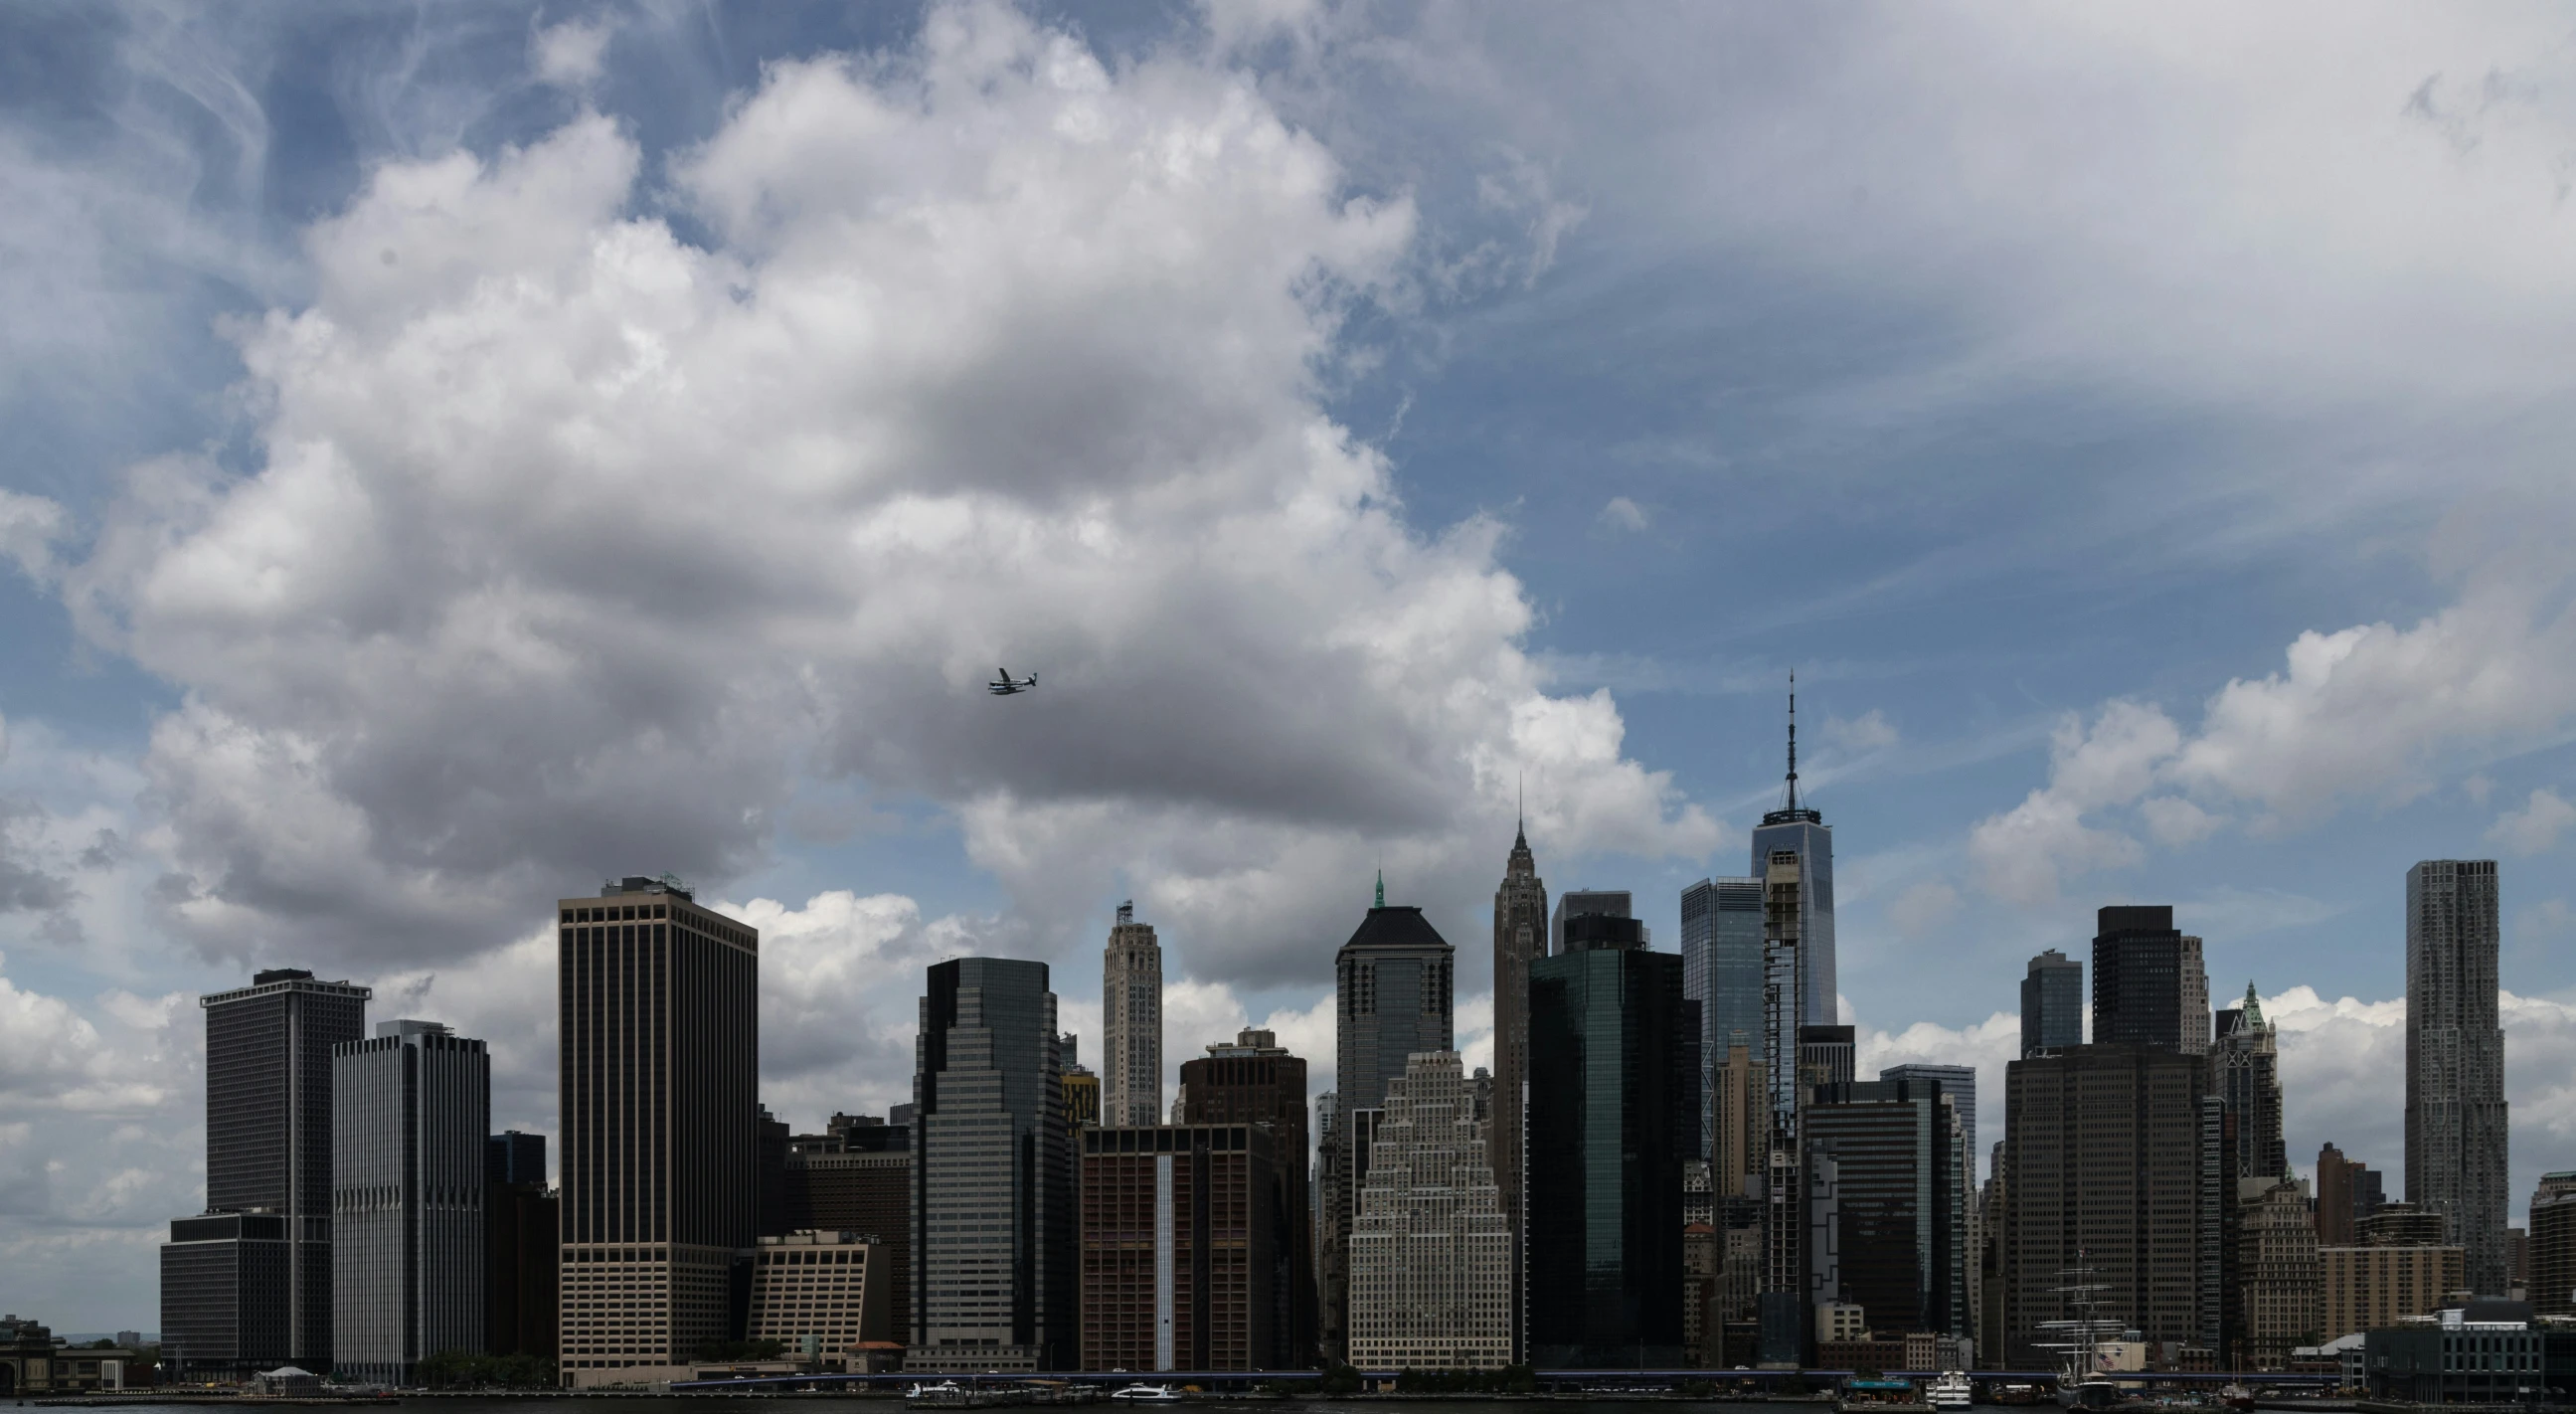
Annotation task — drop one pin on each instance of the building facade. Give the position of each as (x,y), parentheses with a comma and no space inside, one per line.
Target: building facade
(2367,1288)
(1786,1302)
(1131,1023)
(2283,1277)
(1901,1211)
(1802,833)
(2552,1276)
(1613,1120)
(823,1290)
(1522,932)
(1255,1080)
(1392,990)
(659,1022)
(2346,1192)
(1081,1087)
(1959,1083)
(523,1242)
(1430,1253)
(993,1279)
(2456,1121)
(411,1119)
(2052,1003)
(268,1150)
(2149,987)
(1722,971)
(1180,1232)
(2104,1167)
(1577,903)
(227,1295)
(2245,1071)
(857,1178)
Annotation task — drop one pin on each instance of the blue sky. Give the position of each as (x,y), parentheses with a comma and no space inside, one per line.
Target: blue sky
(458,454)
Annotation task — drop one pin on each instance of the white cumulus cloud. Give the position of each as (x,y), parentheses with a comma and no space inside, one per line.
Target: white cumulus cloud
(2535,828)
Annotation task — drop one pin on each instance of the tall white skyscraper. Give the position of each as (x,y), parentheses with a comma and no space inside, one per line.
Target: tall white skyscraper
(411,1110)
(1430,1253)
(2455,1108)
(1131,1013)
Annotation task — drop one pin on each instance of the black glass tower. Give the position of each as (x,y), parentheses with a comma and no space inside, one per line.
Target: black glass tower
(2052,1003)
(1613,1121)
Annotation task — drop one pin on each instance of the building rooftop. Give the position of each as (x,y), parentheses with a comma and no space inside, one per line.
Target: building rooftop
(1397,926)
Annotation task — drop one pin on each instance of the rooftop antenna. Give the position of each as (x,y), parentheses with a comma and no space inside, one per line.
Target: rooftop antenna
(1520,805)
(1793,739)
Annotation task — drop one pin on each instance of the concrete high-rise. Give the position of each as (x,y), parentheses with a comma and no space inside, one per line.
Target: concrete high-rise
(1131,1023)
(1576,903)
(2456,1130)
(1430,1255)
(659,1019)
(2149,988)
(1613,1122)
(411,1115)
(268,1151)
(1254,1080)
(1722,971)
(2104,1166)
(2245,1071)
(993,1272)
(2052,1003)
(858,1178)
(1393,984)
(1179,1247)
(1522,932)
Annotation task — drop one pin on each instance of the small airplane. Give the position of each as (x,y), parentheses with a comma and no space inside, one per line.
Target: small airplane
(1006,684)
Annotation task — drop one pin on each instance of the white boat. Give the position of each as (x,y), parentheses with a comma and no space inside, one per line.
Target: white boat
(1147,1394)
(1951,1391)
(947,1394)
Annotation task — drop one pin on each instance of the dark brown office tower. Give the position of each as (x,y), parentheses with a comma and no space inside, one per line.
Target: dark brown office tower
(268,1149)
(2104,1158)
(522,1226)
(858,1178)
(770,1217)
(1256,1081)
(1176,1247)
(660,1031)
(2149,988)
(1520,938)
(2334,1197)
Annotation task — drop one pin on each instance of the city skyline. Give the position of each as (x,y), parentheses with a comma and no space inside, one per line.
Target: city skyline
(2149,467)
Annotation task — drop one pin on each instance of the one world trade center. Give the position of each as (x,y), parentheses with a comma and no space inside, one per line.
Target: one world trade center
(1803,832)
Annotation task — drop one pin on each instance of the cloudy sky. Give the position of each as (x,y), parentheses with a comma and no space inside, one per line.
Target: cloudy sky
(454,456)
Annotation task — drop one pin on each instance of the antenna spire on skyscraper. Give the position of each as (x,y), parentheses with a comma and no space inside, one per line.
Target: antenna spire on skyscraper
(1381,888)
(1793,740)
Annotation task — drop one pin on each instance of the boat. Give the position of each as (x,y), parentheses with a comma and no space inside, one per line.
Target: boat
(1951,1391)
(1146,1394)
(2018,1394)
(2234,1395)
(2079,1336)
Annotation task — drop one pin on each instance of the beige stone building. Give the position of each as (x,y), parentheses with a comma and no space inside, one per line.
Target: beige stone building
(2276,1254)
(1131,1024)
(1430,1260)
(2367,1288)
(832,1286)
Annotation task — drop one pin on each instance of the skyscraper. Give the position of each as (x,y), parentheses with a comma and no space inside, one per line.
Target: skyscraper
(2104,1166)
(1722,971)
(2552,1279)
(1783,1307)
(523,1232)
(1081,1087)
(1901,1219)
(1392,985)
(1958,1082)
(993,1270)
(2052,1003)
(1521,933)
(1255,1080)
(1429,1250)
(411,1114)
(1131,1017)
(1613,1120)
(1801,833)
(2149,988)
(2245,1071)
(1575,903)
(660,1025)
(858,1178)
(268,1150)
(1179,1226)
(2455,1106)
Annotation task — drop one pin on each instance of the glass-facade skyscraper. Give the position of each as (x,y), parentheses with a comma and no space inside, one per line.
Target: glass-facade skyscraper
(994,1285)
(1613,1117)
(2052,1003)
(411,1122)
(1722,971)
